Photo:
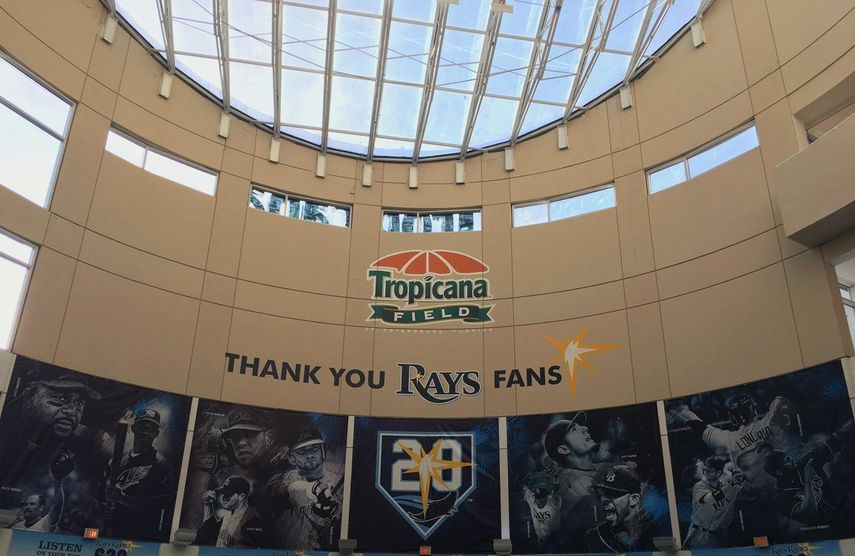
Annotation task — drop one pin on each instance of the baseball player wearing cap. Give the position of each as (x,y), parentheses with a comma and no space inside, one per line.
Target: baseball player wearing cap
(311,495)
(626,520)
(713,505)
(229,520)
(250,437)
(544,503)
(48,403)
(749,428)
(138,502)
(569,444)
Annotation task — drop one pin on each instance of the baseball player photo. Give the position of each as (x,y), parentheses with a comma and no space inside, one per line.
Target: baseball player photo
(263,478)
(560,498)
(771,458)
(95,453)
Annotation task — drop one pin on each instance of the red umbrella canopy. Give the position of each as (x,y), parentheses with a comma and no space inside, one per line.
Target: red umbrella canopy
(442,263)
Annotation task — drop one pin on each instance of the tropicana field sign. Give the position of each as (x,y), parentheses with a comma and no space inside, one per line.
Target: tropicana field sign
(409,278)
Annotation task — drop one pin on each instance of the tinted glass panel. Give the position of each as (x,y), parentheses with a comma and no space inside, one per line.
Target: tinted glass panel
(582,204)
(28,156)
(667,177)
(531,214)
(740,143)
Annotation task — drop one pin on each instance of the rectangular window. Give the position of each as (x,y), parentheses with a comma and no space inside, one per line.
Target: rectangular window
(16,259)
(301,209)
(161,164)
(566,207)
(703,160)
(464,221)
(33,127)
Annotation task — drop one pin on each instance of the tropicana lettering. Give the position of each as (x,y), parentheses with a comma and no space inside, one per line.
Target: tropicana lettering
(427,288)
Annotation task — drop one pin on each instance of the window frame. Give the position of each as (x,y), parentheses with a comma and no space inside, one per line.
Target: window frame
(419,214)
(166,154)
(549,200)
(22,296)
(60,154)
(287,202)
(684,160)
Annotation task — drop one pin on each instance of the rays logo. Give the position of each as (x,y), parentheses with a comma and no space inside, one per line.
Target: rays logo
(426,475)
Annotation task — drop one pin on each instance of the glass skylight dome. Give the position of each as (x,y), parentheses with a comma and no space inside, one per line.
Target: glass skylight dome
(407,79)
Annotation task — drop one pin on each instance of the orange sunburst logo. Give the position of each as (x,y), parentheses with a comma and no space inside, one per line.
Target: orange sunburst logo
(574,352)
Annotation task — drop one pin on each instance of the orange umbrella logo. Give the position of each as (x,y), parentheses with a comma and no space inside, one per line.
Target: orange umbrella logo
(438,262)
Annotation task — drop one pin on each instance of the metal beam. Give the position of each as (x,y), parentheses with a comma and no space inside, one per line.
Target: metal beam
(586,65)
(221,31)
(703,7)
(649,39)
(488,49)
(537,63)
(637,51)
(276,45)
(434,55)
(378,81)
(328,70)
(164,8)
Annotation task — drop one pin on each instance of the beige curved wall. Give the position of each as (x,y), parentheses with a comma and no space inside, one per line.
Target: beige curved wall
(144,281)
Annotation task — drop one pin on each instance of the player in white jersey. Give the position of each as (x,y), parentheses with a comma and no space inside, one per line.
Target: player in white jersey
(544,503)
(713,505)
(751,429)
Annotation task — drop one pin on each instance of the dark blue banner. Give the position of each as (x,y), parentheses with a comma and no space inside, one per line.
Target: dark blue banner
(79,451)
(265,478)
(771,458)
(587,481)
(421,482)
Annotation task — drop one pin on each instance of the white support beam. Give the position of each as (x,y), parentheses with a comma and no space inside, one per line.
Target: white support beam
(221,32)
(108,33)
(321,165)
(328,69)
(698,37)
(640,41)
(537,63)
(225,125)
(460,172)
(488,49)
(166,84)
(164,8)
(434,54)
(381,74)
(654,28)
(413,179)
(580,65)
(563,141)
(626,97)
(510,161)
(367,175)
(274,149)
(276,45)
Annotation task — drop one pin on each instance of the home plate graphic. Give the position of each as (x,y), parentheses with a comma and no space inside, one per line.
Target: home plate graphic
(426,475)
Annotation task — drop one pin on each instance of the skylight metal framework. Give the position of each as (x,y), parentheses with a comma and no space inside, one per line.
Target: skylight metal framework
(539,59)
(366,77)
(488,49)
(434,54)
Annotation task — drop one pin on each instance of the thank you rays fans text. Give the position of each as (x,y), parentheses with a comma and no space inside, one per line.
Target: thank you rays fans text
(417,277)
(426,475)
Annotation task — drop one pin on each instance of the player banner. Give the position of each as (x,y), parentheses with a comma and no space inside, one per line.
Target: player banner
(422,482)
(587,481)
(771,458)
(78,451)
(29,543)
(264,478)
